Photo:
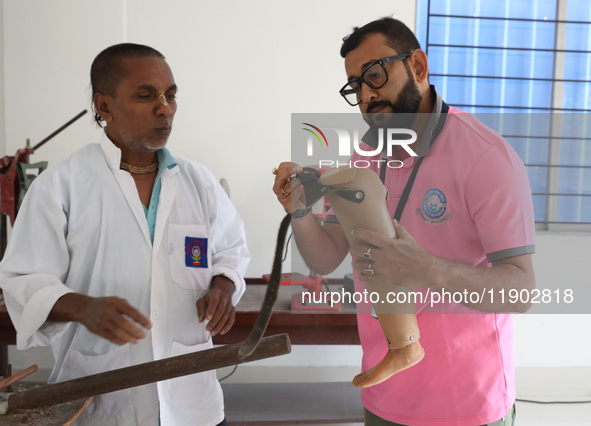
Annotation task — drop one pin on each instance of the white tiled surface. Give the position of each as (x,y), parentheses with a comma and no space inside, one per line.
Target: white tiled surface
(553,415)
(299,403)
(540,415)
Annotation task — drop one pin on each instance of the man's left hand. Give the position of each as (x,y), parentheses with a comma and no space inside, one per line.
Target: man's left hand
(216,306)
(394,261)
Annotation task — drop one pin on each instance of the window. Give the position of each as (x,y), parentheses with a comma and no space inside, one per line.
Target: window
(500,59)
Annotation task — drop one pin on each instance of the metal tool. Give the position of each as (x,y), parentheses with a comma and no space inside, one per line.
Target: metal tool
(141,374)
(264,316)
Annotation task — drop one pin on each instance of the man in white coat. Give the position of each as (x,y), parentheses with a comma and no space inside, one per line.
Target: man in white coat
(123,254)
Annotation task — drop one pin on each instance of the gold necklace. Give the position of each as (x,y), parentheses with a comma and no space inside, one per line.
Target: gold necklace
(139,170)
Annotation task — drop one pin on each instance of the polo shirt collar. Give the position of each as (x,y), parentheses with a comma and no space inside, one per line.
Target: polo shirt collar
(434,125)
(433,128)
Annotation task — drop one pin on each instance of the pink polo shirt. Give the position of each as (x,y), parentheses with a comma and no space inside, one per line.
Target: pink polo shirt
(470,203)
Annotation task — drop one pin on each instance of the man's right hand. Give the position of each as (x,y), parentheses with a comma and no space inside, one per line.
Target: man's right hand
(289,193)
(322,247)
(109,317)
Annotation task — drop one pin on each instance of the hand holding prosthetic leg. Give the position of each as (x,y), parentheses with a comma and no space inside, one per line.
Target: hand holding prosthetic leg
(358,199)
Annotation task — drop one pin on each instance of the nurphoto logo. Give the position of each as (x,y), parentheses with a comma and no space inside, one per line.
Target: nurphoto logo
(386,139)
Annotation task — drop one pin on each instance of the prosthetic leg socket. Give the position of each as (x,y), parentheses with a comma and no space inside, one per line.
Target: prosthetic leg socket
(358,199)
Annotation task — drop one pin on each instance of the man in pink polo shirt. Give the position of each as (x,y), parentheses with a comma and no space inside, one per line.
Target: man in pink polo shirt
(466,227)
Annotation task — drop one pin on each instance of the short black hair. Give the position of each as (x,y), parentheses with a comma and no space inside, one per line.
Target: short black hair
(399,36)
(106,70)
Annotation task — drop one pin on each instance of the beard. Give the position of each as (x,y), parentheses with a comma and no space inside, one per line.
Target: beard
(133,142)
(403,109)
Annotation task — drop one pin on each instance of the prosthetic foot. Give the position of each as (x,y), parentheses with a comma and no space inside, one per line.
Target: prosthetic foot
(358,199)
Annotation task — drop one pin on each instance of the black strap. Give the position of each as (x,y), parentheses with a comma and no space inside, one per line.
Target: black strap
(383,173)
(407,188)
(413,175)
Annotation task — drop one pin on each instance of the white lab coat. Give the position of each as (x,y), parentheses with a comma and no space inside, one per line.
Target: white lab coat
(82,228)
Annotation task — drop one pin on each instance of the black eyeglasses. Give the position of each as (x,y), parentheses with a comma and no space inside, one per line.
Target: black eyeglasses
(375,76)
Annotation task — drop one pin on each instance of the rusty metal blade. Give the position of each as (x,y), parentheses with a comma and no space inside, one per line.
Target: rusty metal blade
(141,374)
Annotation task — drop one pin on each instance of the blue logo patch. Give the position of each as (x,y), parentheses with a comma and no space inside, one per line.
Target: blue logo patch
(196,252)
(434,204)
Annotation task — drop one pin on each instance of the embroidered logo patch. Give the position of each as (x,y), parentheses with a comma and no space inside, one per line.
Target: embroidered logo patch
(196,252)
(433,207)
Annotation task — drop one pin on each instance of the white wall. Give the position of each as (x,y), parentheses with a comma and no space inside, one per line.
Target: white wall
(540,339)
(242,67)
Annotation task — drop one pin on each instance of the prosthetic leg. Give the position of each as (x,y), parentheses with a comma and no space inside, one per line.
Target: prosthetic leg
(358,200)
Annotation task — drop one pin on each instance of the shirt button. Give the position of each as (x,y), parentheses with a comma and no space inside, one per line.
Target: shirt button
(397,172)
(155,314)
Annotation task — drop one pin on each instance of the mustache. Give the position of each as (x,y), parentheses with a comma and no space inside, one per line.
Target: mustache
(378,104)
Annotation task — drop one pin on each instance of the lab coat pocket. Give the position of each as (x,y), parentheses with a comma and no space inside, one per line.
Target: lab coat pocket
(201,390)
(190,256)
(79,365)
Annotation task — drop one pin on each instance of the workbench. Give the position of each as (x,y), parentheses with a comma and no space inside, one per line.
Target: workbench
(62,414)
(303,327)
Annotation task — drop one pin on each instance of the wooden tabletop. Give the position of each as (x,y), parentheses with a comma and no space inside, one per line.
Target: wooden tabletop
(305,327)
